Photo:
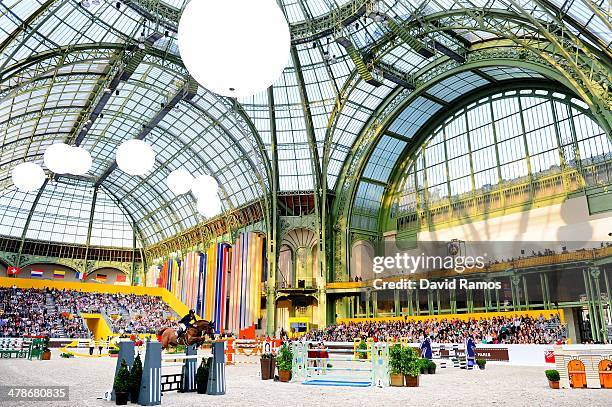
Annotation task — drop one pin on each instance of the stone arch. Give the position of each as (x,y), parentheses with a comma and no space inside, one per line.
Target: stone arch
(362,260)
(285,266)
(48,267)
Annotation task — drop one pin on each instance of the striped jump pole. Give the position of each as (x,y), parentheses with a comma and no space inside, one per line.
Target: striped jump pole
(153,382)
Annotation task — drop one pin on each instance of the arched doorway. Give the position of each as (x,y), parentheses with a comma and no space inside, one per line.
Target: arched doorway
(362,255)
(605,373)
(577,375)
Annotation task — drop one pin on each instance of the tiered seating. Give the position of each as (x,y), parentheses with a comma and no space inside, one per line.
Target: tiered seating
(516,330)
(56,313)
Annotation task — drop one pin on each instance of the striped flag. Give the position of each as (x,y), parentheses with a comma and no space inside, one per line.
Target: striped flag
(101,278)
(59,274)
(36,273)
(81,275)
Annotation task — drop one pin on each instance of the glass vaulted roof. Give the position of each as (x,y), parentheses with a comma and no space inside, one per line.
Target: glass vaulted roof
(63,61)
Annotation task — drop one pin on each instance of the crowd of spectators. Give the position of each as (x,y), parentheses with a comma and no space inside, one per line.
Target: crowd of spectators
(25,312)
(521,329)
(78,301)
(146,314)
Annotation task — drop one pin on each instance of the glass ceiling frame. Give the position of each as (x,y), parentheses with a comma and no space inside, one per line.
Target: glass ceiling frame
(339,103)
(91,62)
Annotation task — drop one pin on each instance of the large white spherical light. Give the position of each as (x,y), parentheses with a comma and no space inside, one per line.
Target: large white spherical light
(179,181)
(135,157)
(209,207)
(58,158)
(81,161)
(204,187)
(28,177)
(234,47)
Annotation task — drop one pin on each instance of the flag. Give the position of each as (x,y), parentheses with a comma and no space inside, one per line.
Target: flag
(13,271)
(101,278)
(81,275)
(121,278)
(59,274)
(36,273)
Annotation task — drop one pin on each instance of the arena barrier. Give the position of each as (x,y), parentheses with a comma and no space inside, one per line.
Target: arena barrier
(21,348)
(154,382)
(83,346)
(317,367)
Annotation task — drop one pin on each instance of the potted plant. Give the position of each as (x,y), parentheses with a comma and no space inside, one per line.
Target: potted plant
(411,367)
(135,378)
(362,348)
(481,363)
(284,362)
(395,366)
(553,378)
(268,366)
(66,355)
(423,365)
(113,352)
(121,385)
(202,376)
(431,367)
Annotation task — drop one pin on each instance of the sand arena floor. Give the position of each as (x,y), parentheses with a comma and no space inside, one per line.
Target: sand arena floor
(497,385)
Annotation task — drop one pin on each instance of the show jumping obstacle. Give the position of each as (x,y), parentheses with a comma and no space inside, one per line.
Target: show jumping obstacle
(248,348)
(154,382)
(21,348)
(584,366)
(317,367)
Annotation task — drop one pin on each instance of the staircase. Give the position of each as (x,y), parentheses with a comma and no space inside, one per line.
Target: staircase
(53,315)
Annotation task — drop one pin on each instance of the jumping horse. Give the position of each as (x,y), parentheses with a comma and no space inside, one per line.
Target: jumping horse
(194,335)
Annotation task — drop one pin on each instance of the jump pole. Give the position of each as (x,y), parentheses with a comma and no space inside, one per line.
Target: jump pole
(151,382)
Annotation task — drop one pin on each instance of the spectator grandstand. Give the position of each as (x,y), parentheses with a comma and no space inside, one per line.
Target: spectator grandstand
(57,313)
(520,329)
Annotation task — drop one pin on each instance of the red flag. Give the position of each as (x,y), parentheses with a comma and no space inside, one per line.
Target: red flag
(121,278)
(13,271)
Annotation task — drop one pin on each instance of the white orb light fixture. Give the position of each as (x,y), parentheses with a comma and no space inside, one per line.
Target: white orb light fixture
(179,181)
(81,161)
(61,158)
(209,207)
(234,48)
(28,177)
(58,158)
(204,187)
(135,157)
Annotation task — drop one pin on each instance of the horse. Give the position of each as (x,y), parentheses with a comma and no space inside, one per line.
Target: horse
(194,335)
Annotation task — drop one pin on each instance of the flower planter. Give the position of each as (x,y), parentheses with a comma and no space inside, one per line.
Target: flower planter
(46,355)
(397,380)
(121,398)
(431,370)
(284,375)
(553,385)
(412,381)
(481,367)
(268,366)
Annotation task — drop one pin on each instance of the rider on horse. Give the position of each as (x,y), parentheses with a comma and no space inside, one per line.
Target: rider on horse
(186,322)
